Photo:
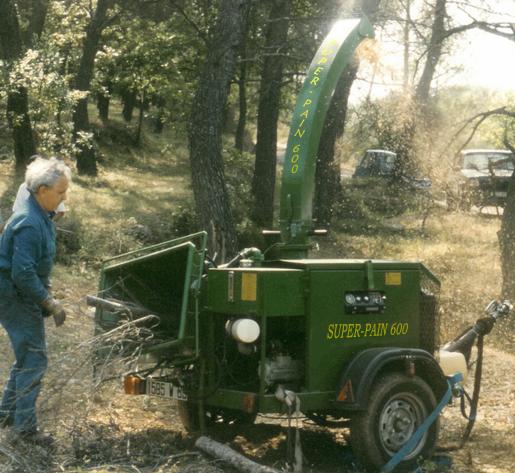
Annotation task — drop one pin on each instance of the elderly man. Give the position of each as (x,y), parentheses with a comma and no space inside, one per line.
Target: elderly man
(27,250)
(23,195)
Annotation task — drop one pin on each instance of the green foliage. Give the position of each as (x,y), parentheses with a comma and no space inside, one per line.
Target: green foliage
(498,131)
(157,58)
(46,72)
(239,168)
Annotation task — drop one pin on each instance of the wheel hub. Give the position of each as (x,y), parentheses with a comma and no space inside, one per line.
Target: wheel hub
(398,421)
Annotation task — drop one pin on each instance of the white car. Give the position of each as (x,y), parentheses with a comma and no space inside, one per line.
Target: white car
(485,175)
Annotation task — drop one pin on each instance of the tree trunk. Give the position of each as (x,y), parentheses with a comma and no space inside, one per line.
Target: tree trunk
(206,124)
(239,136)
(19,121)
(327,176)
(86,156)
(17,99)
(103,102)
(406,46)
(434,52)
(506,238)
(36,21)
(103,107)
(159,120)
(263,183)
(129,102)
(143,103)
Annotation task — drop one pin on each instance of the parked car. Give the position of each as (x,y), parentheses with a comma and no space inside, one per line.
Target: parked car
(380,163)
(376,162)
(484,177)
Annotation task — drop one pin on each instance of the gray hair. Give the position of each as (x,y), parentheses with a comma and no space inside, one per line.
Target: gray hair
(45,172)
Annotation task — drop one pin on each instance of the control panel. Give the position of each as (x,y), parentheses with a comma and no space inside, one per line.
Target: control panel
(364,302)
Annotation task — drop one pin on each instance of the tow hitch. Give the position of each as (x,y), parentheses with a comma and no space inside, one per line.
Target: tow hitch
(454,360)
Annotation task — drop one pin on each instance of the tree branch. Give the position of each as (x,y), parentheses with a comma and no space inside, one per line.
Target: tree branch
(493,28)
(480,117)
(496,29)
(189,20)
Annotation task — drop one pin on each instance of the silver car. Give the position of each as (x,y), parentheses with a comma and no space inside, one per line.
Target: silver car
(485,175)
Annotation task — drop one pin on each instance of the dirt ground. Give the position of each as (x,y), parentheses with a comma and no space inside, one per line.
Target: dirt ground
(99,429)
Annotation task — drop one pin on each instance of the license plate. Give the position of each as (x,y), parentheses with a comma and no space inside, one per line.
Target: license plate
(164,389)
(500,194)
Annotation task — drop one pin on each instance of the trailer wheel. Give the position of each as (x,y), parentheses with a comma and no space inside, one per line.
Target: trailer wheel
(397,405)
(188,413)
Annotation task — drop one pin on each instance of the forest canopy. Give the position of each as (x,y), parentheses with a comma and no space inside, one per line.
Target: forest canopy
(226,74)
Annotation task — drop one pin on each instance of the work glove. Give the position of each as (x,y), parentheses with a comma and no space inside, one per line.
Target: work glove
(53,307)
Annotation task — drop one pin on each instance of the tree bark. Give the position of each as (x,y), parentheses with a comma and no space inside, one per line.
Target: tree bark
(506,233)
(19,121)
(231,457)
(406,47)
(36,21)
(129,102)
(159,121)
(239,135)
(506,238)
(142,107)
(327,175)
(17,99)
(434,52)
(263,183)
(104,101)
(206,124)
(86,156)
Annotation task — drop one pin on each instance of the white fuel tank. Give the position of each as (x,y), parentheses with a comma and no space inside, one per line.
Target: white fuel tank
(452,362)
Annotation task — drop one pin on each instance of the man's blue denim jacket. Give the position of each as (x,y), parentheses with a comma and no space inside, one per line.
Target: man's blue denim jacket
(27,251)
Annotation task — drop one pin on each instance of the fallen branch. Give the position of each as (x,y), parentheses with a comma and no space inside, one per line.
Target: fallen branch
(228,455)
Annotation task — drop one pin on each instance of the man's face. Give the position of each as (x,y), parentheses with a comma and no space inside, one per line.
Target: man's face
(50,197)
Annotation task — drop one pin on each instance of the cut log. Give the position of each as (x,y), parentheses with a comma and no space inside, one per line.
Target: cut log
(117,306)
(231,457)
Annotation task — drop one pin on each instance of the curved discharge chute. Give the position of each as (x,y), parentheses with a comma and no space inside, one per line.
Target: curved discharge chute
(331,59)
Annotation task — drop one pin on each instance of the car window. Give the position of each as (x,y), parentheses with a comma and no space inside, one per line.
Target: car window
(376,164)
(388,163)
(367,162)
(481,161)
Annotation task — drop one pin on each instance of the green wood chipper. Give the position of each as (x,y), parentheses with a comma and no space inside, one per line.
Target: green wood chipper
(274,330)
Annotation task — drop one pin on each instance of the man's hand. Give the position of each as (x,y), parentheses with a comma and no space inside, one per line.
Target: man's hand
(54,308)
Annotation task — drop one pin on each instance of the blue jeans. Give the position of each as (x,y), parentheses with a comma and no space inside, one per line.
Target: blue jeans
(24,324)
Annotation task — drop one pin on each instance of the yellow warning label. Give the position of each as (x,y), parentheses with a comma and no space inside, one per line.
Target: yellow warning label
(392,279)
(248,286)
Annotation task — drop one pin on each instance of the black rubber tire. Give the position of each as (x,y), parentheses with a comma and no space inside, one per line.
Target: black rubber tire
(188,413)
(397,405)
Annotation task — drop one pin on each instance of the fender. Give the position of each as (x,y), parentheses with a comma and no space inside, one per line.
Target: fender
(366,366)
